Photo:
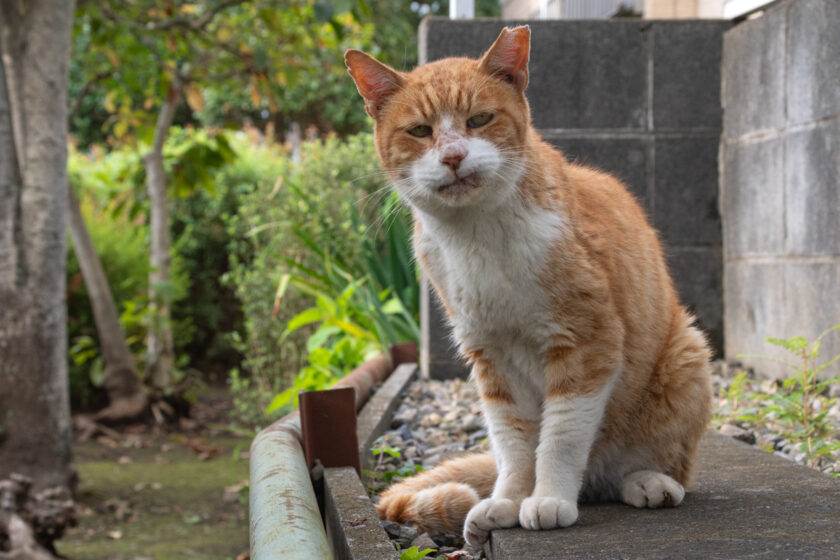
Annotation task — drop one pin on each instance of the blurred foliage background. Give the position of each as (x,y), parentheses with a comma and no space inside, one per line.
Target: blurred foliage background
(290,259)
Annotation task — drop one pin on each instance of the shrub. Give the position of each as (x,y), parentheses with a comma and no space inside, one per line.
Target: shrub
(310,233)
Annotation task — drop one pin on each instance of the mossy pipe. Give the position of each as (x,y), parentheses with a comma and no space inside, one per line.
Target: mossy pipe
(285,519)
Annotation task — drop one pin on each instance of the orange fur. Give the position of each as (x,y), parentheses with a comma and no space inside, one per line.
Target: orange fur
(611,304)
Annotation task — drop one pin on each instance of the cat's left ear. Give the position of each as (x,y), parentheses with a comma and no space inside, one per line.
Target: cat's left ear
(375,81)
(508,57)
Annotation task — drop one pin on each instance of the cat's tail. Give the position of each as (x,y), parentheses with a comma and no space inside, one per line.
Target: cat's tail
(438,500)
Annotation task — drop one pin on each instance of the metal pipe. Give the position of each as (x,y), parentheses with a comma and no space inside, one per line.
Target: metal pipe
(285,519)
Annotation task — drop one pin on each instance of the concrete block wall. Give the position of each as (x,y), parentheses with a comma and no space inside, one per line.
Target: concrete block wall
(780,178)
(639,99)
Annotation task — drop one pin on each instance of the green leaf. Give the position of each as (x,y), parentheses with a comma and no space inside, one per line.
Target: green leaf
(311,315)
(393,306)
(327,305)
(794,344)
(337,28)
(319,338)
(351,329)
(260,59)
(280,400)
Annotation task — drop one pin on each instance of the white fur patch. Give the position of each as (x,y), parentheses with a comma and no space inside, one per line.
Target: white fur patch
(566,436)
(489,266)
(489,514)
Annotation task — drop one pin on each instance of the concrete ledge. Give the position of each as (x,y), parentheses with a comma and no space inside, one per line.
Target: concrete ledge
(376,415)
(353,528)
(747,503)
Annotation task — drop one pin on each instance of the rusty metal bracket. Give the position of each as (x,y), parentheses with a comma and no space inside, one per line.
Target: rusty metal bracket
(328,428)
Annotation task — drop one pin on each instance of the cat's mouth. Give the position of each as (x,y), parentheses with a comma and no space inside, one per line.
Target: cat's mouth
(460,186)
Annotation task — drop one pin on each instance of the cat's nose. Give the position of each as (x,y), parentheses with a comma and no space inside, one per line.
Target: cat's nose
(453,159)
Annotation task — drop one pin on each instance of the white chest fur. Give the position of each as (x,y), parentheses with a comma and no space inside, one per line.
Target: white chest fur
(490,267)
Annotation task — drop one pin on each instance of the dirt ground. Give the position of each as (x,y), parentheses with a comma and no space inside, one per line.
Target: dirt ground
(146,496)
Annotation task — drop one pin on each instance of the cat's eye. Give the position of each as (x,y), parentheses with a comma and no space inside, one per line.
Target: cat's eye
(479,120)
(420,131)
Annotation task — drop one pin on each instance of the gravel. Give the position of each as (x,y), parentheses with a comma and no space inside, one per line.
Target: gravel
(437,420)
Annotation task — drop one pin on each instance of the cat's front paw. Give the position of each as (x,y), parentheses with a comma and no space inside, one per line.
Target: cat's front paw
(547,513)
(489,514)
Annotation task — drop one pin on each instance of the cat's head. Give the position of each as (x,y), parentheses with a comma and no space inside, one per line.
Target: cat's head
(451,133)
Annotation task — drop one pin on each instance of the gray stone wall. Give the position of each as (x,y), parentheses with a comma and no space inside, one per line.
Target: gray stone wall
(780,179)
(639,99)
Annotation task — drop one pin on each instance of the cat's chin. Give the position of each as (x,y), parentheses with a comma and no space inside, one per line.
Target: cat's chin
(461,191)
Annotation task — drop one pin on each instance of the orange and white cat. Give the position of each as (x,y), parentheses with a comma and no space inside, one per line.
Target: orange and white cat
(593,381)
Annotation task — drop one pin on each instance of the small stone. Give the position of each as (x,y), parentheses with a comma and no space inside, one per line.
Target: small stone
(720,368)
(425,410)
(438,438)
(405,432)
(431,461)
(470,423)
(477,435)
(406,415)
(452,415)
(393,529)
(407,534)
(740,434)
(432,419)
(450,540)
(423,542)
(765,441)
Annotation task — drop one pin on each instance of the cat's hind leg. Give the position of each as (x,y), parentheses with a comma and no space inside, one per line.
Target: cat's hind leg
(651,489)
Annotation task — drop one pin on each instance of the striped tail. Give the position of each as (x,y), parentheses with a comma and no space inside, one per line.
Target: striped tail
(438,500)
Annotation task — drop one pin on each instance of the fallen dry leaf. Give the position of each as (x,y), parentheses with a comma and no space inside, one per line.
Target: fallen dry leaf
(106,441)
(235,488)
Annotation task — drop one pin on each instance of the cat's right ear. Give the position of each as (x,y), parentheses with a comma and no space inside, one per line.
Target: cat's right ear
(374,80)
(508,57)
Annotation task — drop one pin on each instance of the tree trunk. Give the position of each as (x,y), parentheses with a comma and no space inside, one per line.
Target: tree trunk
(160,359)
(126,396)
(35,431)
